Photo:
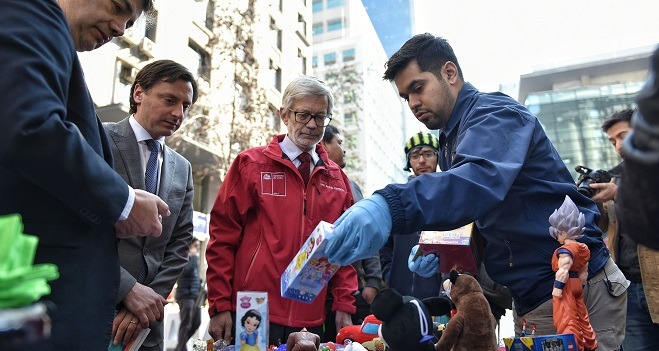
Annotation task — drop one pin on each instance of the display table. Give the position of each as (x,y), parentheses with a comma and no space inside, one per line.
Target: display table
(20,327)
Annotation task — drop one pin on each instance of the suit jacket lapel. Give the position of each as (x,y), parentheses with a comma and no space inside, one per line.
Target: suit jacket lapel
(166,173)
(130,154)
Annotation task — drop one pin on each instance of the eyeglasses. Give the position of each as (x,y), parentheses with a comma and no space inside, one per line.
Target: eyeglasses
(304,117)
(426,155)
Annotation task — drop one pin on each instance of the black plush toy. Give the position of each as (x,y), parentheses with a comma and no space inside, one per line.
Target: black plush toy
(406,322)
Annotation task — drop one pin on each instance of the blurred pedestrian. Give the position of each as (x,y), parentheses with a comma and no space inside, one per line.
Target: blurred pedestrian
(369,272)
(188,295)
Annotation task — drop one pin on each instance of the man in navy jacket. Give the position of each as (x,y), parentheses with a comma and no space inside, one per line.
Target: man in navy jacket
(500,170)
(55,160)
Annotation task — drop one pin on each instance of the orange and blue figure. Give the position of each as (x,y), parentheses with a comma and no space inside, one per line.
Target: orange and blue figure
(570,262)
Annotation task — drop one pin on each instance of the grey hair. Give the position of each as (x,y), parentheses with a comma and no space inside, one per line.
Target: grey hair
(567,219)
(306,86)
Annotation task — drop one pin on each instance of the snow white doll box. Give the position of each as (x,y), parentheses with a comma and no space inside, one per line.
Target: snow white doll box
(251,321)
(309,272)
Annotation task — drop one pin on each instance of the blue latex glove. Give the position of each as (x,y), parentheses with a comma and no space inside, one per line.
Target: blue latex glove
(360,232)
(425,266)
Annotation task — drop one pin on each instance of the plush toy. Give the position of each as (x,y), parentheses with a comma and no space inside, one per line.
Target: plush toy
(472,328)
(406,321)
(302,341)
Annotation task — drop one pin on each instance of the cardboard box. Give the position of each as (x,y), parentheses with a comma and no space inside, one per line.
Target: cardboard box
(252,320)
(452,248)
(309,272)
(559,342)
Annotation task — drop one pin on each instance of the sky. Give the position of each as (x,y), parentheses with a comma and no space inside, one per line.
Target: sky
(497,41)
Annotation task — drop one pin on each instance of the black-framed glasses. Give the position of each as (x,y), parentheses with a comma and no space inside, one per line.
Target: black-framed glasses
(304,117)
(426,155)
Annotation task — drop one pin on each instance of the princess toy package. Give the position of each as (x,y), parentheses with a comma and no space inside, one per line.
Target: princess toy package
(251,321)
(309,272)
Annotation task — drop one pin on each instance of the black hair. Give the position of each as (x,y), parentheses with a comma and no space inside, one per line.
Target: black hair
(430,53)
(251,313)
(330,132)
(161,71)
(620,116)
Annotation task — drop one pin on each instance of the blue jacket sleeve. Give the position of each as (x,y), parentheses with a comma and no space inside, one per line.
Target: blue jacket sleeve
(490,150)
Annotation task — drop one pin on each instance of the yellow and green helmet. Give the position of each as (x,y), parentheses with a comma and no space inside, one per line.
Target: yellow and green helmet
(417,140)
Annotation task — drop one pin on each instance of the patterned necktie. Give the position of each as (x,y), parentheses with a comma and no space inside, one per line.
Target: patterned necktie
(151,175)
(305,166)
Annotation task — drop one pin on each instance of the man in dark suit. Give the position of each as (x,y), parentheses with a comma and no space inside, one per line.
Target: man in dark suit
(55,161)
(160,99)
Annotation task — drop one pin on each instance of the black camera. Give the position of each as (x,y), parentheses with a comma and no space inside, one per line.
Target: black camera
(589,176)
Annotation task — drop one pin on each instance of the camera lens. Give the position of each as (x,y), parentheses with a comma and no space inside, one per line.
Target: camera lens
(584,188)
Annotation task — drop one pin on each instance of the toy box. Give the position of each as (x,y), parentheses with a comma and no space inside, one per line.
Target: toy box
(452,248)
(251,321)
(559,342)
(309,272)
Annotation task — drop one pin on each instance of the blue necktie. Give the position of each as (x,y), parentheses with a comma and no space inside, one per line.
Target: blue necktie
(151,175)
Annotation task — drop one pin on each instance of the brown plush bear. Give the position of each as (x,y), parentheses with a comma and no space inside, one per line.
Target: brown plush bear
(473,327)
(303,341)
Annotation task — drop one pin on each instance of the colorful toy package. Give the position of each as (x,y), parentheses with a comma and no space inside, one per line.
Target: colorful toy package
(559,342)
(309,273)
(251,321)
(452,248)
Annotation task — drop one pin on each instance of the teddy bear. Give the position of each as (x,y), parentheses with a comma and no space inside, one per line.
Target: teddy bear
(473,327)
(303,341)
(406,321)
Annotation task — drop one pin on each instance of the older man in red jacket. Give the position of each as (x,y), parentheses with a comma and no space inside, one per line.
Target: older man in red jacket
(270,201)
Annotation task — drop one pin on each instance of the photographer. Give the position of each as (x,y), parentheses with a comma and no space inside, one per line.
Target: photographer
(637,262)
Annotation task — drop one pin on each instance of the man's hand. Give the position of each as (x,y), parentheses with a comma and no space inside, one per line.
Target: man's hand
(425,266)
(145,218)
(360,232)
(125,327)
(220,326)
(604,191)
(145,303)
(342,319)
(368,293)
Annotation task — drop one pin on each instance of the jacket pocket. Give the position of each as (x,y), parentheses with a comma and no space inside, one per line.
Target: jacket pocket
(253,259)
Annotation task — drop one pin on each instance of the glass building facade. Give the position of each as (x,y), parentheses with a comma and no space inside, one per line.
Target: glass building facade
(393,21)
(573,118)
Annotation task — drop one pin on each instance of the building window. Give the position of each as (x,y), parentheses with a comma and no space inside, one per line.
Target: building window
(274,121)
(348,55)
(278,32)
(303,24)
(317,28)
(317,5)
(330,58)
(303,60)
(350,119)
(334,25)
(204,68)
(334,3)
(151,26)
(277,75)
(210,14)
(314,61)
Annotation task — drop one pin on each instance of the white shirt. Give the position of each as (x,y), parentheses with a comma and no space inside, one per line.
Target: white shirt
(141,135)
(292,152)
